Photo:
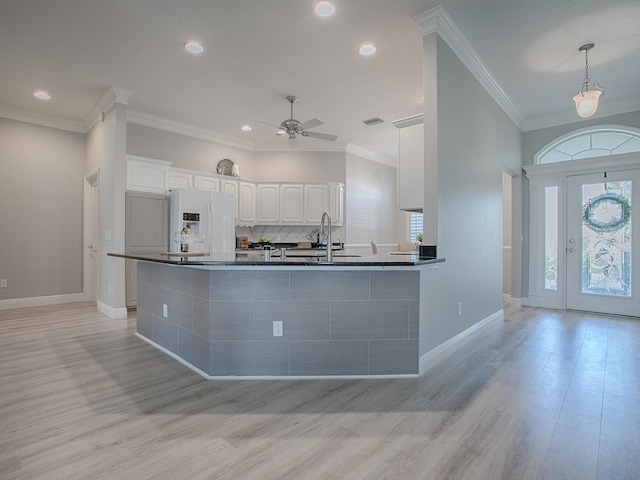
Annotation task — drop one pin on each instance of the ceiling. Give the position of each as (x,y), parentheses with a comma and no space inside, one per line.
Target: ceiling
(259,51)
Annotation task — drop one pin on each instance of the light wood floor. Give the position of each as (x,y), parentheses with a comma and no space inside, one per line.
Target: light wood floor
(551,395)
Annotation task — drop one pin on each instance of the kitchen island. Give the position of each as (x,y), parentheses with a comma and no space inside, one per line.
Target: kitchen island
(240,316)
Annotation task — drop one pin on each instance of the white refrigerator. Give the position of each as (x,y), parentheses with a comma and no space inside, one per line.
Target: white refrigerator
(210,214)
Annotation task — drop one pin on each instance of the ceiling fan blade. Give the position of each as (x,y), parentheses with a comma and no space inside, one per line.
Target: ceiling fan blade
(314,122)
(293,142)
(321,136)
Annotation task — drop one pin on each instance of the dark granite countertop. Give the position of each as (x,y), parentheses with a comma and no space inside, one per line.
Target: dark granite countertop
(256,258)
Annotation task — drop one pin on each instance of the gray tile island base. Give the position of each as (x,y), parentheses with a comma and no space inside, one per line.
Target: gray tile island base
(361,322)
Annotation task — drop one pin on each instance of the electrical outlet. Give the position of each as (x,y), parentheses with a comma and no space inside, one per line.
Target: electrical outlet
(165,310)
(3,283)
(459,308)
(277,329)
(107,235)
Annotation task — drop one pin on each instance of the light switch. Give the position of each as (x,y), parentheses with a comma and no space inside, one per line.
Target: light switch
(107,235)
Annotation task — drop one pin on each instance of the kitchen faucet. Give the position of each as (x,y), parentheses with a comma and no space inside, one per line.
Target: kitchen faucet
(329,245)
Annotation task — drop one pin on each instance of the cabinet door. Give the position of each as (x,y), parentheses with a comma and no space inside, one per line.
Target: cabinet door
(246,203)
(146,175)
(292,204)
(180,180)
(316,202)
(336,201)
(268,203)
(206,183)
(146,231)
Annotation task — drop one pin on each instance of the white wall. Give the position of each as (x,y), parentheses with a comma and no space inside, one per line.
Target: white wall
(106,151)
(41,181)
(371,203)
(475,140)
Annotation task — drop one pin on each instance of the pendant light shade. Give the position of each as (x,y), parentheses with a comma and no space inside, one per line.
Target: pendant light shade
(587,100)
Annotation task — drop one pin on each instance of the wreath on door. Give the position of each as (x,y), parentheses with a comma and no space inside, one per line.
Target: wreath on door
(607,213)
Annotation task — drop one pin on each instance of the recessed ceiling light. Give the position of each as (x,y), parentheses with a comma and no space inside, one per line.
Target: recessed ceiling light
(367,49)
(324,9)
(246,128)
(42,95)
(194,47)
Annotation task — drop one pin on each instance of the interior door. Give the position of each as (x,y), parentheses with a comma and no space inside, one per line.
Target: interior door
(603,246)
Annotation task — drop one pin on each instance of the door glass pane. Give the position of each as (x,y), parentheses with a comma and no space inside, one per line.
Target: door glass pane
(606,239)
(551,238)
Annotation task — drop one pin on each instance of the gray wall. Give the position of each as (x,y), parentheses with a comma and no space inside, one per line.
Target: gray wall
(475,141)
(297,166)
(41,181)
(185,151)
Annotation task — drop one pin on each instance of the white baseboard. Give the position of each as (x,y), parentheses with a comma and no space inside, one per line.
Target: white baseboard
(41,301)
(112,313)
(516,302)
(442,351)
(506,299)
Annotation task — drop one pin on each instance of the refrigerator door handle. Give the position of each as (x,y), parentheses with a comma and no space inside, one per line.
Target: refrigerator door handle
(209,227)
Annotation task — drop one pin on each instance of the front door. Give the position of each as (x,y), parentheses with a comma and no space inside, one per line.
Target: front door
(603,245)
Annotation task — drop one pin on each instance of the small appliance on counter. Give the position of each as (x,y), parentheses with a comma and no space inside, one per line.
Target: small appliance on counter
(428,251)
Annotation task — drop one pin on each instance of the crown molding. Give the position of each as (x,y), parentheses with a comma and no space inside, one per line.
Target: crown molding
(409,121)
(148,120)
(110,97)
(41,119)
(438,20)
(369,155)
(570,115)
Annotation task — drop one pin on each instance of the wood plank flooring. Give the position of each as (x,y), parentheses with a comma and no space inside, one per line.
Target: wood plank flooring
(551,395)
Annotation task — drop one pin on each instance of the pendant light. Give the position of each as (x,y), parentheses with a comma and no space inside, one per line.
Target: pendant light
(587,100)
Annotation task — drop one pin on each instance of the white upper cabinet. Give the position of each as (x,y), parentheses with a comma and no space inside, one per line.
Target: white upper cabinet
(410,163)
(268,203)
(336,203)
(229,186)
(292,204)
(316,202)
(202,182)
(180,179)
(146,174)
(246,203)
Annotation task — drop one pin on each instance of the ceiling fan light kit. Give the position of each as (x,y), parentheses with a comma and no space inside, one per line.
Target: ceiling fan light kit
(292,127)
(587,100)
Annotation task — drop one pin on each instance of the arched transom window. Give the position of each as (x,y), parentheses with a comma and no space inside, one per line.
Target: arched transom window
(590,143)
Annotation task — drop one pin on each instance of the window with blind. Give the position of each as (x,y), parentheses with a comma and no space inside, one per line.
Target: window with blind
(415,225)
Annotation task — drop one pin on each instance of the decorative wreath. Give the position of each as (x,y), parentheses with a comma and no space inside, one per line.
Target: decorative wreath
(589,215)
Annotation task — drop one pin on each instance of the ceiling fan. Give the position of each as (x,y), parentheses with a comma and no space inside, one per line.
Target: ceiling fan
(292,127)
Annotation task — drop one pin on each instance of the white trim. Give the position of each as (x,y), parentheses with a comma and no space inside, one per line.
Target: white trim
(605,109)
(506,299)
(438,20)
(444,350)
(112,313)
(41,119)
(540,173)
(409,121)
(112,96)
(87,225)
(147,120)
(41,301)
(369,155)
(516,302)
(267,377)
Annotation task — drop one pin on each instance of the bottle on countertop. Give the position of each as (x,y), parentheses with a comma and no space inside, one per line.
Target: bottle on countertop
(184,240)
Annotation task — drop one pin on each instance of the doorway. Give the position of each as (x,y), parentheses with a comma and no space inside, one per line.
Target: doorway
(602,248)
(91,237)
